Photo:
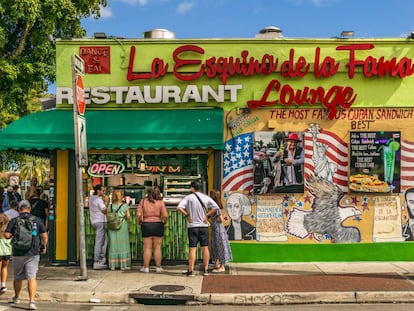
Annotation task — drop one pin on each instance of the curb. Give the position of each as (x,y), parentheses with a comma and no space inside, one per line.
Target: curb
(84,297)
(305,298)
(232,299)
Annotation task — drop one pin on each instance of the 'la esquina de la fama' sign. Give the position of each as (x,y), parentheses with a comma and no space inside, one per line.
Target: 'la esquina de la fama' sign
(225,68)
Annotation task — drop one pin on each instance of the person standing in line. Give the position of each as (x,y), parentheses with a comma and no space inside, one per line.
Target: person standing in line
(152,216)
(40,207)
(97,211)
(8,197)
(197,207)
(26,263)
(32,188)
(5,252)
(220,250)
(17,193)
(119,252)
(12,212)
(43,195)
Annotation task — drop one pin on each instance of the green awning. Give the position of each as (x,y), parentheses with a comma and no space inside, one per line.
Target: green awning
(118,129)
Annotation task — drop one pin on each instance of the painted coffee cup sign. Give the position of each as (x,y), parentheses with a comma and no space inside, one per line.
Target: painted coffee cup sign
(106,168)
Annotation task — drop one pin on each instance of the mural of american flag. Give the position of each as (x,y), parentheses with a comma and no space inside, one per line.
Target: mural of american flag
(407,164)
(237,164)
(337,153)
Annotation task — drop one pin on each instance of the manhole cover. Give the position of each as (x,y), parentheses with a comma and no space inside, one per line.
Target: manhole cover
(167,288)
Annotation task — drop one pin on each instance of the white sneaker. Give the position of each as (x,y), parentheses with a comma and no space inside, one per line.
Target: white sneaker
(98,266)
(158,269)
(14,300)
(145,270)
(32,305)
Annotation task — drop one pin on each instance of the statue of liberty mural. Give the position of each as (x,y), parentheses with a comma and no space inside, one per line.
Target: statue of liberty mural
(322,166)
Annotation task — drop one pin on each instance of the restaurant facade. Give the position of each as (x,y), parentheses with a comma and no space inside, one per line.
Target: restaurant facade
(164,112)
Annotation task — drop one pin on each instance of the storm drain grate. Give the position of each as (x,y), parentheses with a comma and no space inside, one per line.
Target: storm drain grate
(163,295)
(167,288)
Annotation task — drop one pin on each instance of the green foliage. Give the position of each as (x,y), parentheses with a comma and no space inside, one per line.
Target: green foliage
(35,166)
(25,166)
(27,58)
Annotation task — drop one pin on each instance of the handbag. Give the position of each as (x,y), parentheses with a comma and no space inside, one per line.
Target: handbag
(113,222)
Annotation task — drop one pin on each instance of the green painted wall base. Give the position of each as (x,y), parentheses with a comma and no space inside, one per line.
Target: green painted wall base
(259,252)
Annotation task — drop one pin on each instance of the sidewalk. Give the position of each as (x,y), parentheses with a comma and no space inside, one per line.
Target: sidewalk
(242,283)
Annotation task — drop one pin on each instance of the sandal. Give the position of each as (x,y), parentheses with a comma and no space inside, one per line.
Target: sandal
(219,270)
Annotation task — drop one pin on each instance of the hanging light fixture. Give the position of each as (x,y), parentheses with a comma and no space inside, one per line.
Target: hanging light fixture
(142,166)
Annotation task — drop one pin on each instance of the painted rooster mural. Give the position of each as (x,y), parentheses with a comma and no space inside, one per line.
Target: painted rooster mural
(327,215)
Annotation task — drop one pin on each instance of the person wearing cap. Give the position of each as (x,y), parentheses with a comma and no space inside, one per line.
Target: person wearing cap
(16,193)
(292,162)
(26,262)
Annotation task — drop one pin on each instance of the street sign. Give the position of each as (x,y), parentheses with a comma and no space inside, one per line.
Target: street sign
(79,64)
(80,95)
(82,148)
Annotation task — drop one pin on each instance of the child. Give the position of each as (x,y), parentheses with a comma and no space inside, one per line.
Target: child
(5,252)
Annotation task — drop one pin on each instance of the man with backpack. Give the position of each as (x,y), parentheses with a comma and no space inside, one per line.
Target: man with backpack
(29,240)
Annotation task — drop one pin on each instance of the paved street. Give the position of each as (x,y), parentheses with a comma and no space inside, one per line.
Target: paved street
(242,284)
(301,307)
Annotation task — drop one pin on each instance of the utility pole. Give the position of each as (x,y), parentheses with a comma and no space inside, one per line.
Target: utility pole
(79,124)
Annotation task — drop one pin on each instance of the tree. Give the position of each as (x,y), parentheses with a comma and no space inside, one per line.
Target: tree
(38,167)
(27,58)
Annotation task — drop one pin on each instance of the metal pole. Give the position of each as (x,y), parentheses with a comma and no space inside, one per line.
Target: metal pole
(79,190)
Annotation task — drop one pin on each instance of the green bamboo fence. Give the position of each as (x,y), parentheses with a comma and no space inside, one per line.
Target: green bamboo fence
(174,245)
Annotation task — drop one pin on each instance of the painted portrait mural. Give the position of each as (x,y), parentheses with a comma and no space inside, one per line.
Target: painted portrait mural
(293,177)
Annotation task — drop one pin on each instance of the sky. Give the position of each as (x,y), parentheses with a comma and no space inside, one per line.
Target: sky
(245,18)
(191,19)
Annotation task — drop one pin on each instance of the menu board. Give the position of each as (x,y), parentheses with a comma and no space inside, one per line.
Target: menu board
(375,162)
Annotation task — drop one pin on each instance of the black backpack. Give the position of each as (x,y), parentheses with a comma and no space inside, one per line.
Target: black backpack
(22,239)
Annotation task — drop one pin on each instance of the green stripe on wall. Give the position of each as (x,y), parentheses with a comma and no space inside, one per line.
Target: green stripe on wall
(255,252)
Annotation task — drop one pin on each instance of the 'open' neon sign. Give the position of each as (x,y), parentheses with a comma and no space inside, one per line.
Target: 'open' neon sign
(106,168)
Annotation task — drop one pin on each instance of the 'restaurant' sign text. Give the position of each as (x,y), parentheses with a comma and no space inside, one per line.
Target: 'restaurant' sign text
(189,63)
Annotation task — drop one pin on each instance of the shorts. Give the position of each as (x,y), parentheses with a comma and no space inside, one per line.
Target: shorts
(5,257)
(150,229)
(25,267)
(198,234)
